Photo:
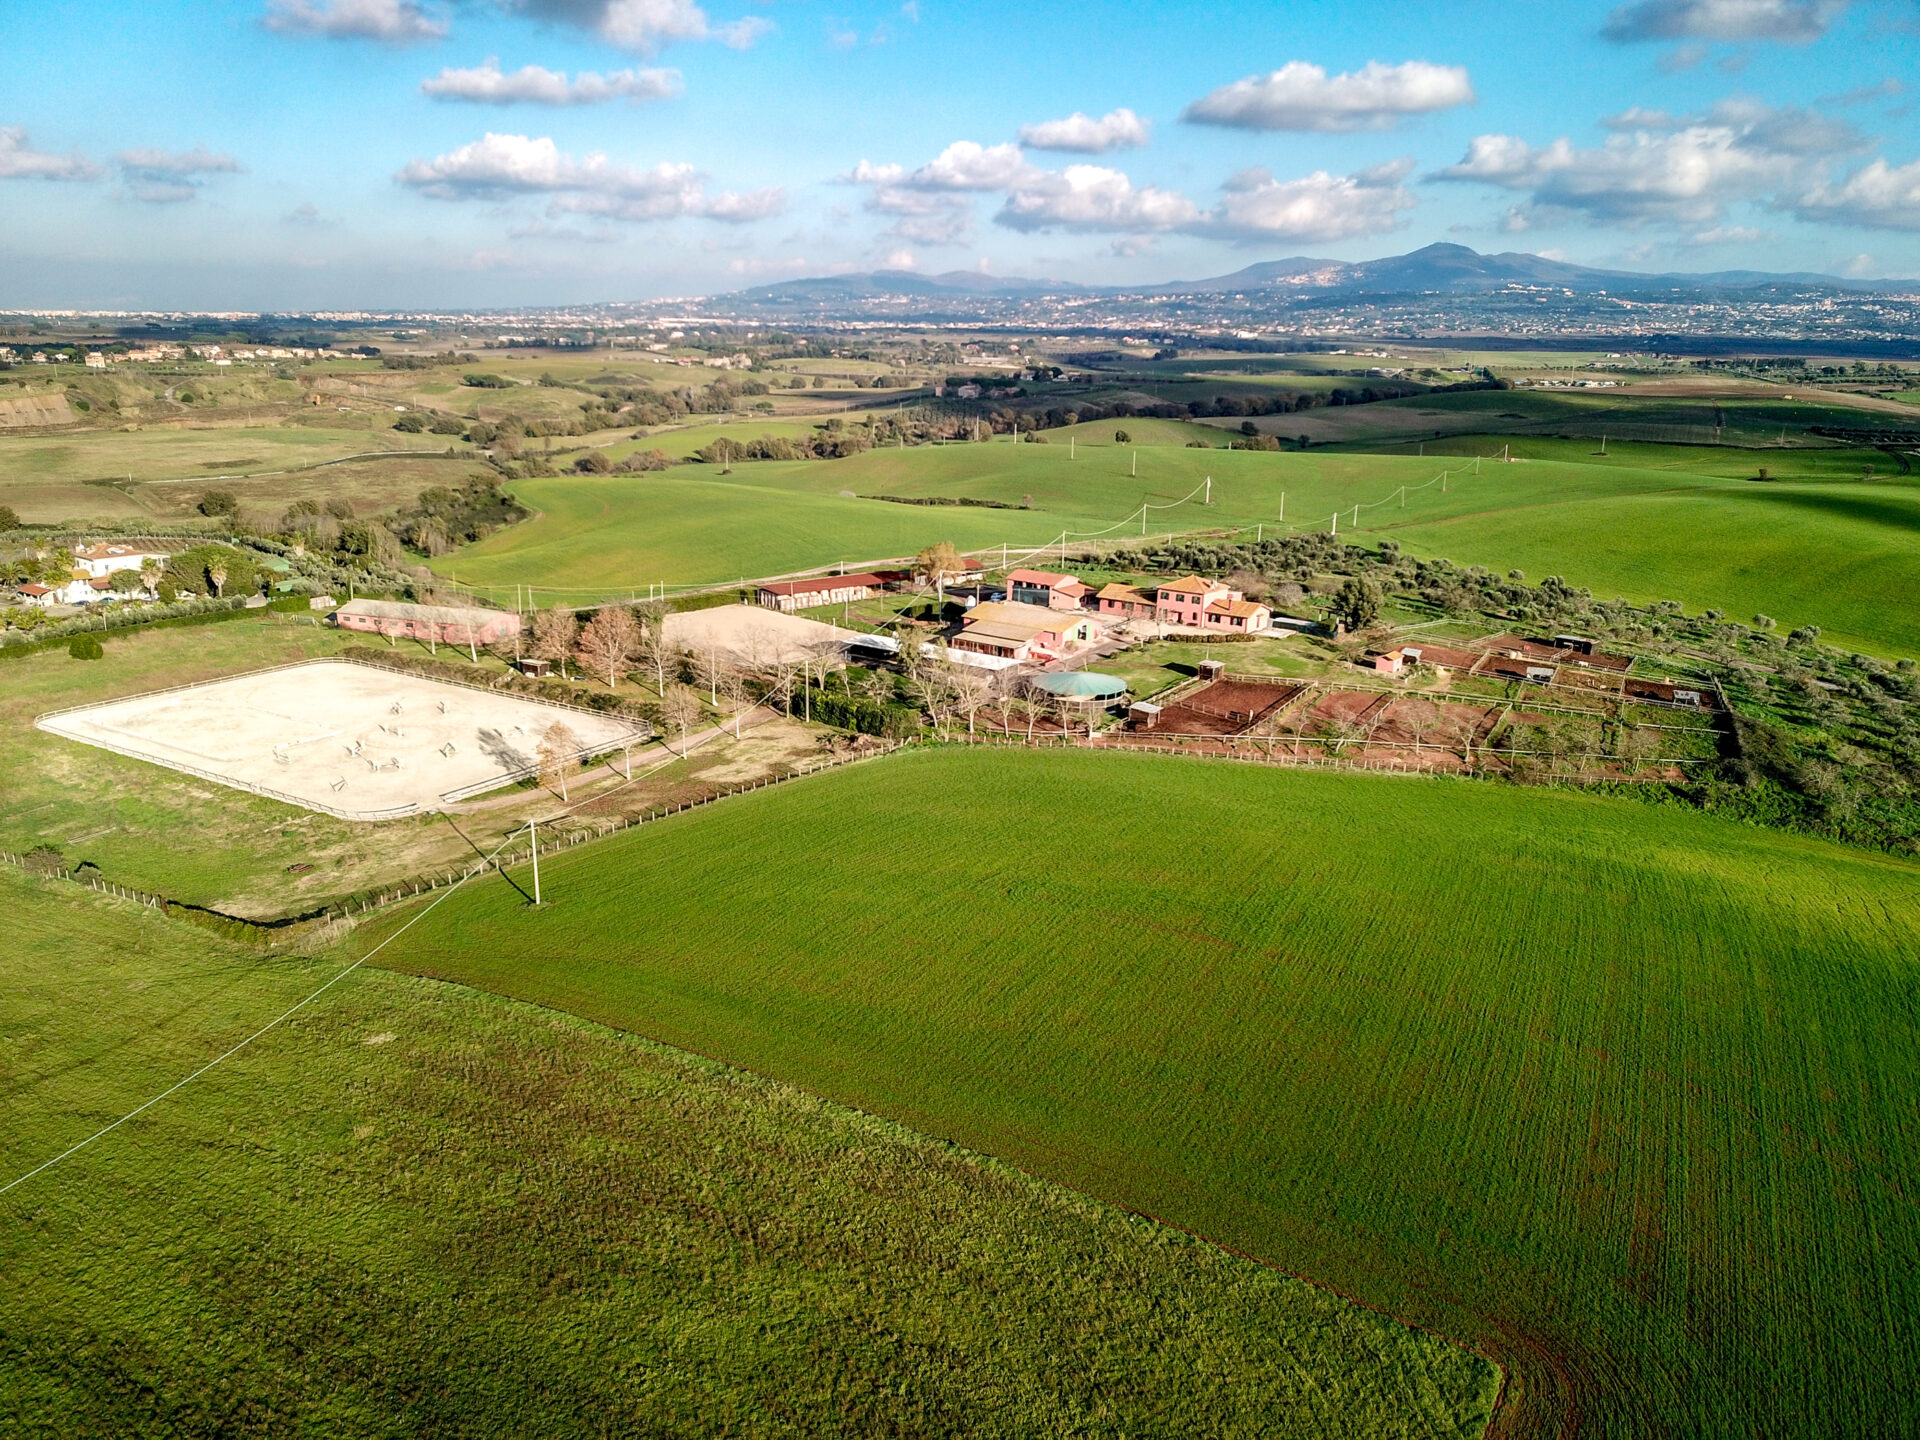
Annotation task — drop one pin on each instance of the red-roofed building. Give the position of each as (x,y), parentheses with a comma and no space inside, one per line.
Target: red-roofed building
(1043,587)
(1124,601)
(1201,604)
(792,595)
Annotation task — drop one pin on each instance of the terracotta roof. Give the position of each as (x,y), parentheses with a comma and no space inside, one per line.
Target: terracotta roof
(35,590)
(1245,609)
(1193,583)
(1044,578)
(1018,612)
(1078,589)
(823,583)
(1010,632)
(1116,591)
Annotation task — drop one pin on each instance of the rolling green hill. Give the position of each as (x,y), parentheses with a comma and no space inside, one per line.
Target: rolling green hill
(1814,546)
(1626,1095)
(419,1210)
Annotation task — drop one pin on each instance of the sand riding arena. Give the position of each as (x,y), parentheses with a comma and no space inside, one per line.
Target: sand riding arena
(357,741)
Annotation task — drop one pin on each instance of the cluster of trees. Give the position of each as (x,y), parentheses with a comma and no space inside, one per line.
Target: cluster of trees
(442,516)
(333,532)
(834,442)
(423,362)
(217,570)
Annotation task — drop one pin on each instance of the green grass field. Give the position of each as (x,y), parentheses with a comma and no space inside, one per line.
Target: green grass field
(1626,1095)
(420,1210)
(1648,522)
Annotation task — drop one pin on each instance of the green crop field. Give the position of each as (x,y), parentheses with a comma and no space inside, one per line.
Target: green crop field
(1650,522)
(421,1210)
(1628,1096)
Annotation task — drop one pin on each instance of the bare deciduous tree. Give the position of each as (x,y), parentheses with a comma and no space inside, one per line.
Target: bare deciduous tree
(607,644)
(736,690)
(971,687)
(710,663)
(680,707)
(559,752)
(652,651)
(554,634)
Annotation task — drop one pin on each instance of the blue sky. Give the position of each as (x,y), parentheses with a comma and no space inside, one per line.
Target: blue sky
(380,153)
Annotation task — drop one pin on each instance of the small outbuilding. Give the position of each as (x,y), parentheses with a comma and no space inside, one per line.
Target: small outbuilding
(445,624)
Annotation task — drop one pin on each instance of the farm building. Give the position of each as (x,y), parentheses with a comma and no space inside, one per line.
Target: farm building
(1124,601)
(1044,588)
(1209,605)
(446,624)
(1010,630)
(792,595)
(104,559)
(1577,651)
(1687,696)
(965,571)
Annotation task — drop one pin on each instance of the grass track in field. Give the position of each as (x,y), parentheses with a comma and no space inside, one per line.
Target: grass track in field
(1626,1094)
(419,1210)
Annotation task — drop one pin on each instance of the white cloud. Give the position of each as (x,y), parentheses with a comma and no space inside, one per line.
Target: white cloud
(503,165)
(902,259)
(1684,169)
(644,26)
(1316,208)
(394,22)
(1877,195)
(20,161)
(162,177)
(1792,22)
(1093,198)
(1302,96)
(1116,130)
(536,85)
(931,204)
(968,165)
(1729,235)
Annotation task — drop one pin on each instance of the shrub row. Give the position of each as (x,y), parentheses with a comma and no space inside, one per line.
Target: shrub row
(52,637)
(865,717)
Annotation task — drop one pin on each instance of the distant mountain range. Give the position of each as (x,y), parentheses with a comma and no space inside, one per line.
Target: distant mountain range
(1434,269)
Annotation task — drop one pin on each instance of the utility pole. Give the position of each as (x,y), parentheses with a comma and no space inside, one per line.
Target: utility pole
(534,838)
(1208,499)
(1070,445)
(1336,524)
(1136,464)
(1283,507)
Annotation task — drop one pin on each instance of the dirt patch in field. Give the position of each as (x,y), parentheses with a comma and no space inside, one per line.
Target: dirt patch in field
(1227,707)
(25,412)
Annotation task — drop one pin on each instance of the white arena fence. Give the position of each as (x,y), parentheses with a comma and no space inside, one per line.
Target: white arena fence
(396,812)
